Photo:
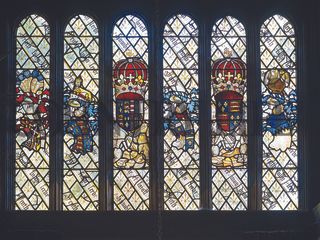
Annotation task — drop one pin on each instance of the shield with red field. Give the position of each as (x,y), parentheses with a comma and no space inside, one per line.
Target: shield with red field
(228,110)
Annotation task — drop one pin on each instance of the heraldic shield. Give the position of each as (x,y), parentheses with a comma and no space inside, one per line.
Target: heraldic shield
(130,76)
(228,78)
(228,110)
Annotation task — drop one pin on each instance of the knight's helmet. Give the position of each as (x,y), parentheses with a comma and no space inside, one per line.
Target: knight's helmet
(130,78)
(33,99)
(276,79)
(30,90)
(228,79)
(79,95)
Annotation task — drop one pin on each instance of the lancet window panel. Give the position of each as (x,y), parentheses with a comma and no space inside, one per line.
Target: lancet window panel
(279,114)
(229,115)
(181,114)
(32,114)
(80,115)
(131,187)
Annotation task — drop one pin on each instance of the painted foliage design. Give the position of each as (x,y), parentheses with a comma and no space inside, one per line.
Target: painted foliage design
(34,103)
(131,115)
(180,110)
(181,114)
(279,115)
(81,88)
(32,119)
(229,112)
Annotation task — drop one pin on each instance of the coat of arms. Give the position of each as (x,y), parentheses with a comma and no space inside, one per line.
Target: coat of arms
(130,77)
(228,76)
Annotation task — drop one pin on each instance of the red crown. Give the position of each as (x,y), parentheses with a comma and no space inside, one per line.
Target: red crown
(229,74)
(130,75)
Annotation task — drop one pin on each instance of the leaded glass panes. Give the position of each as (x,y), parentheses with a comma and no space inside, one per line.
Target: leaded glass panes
(181,114)
(130,115)
(229,115)
(279,115)
(32,121)
(130,111)
(80,116)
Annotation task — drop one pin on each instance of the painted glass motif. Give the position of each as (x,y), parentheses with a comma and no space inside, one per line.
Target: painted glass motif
(181,114)
(32,123)
(279,115)
(228,115)
(130,114)
(80,117)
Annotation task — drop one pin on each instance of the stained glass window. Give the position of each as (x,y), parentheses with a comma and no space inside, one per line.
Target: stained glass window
(131,114)
(279,115)
(181,114)
(228,115)
(80,117)
(32,123)
(129,142)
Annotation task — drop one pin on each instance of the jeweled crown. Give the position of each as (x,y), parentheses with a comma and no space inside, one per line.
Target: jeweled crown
(130,76)
(229,73)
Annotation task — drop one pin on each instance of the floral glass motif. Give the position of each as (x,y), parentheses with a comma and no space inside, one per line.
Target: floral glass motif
(181,114)
(130,114)
(80,117)
(279,115)
(32,102)
(229,114)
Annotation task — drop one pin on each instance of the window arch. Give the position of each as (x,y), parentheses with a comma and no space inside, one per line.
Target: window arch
(32,123)
(181,114)
(130,114)
(80,114)
(229,115)
(279,114)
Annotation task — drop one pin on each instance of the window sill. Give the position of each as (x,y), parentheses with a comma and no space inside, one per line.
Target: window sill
(145,225)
